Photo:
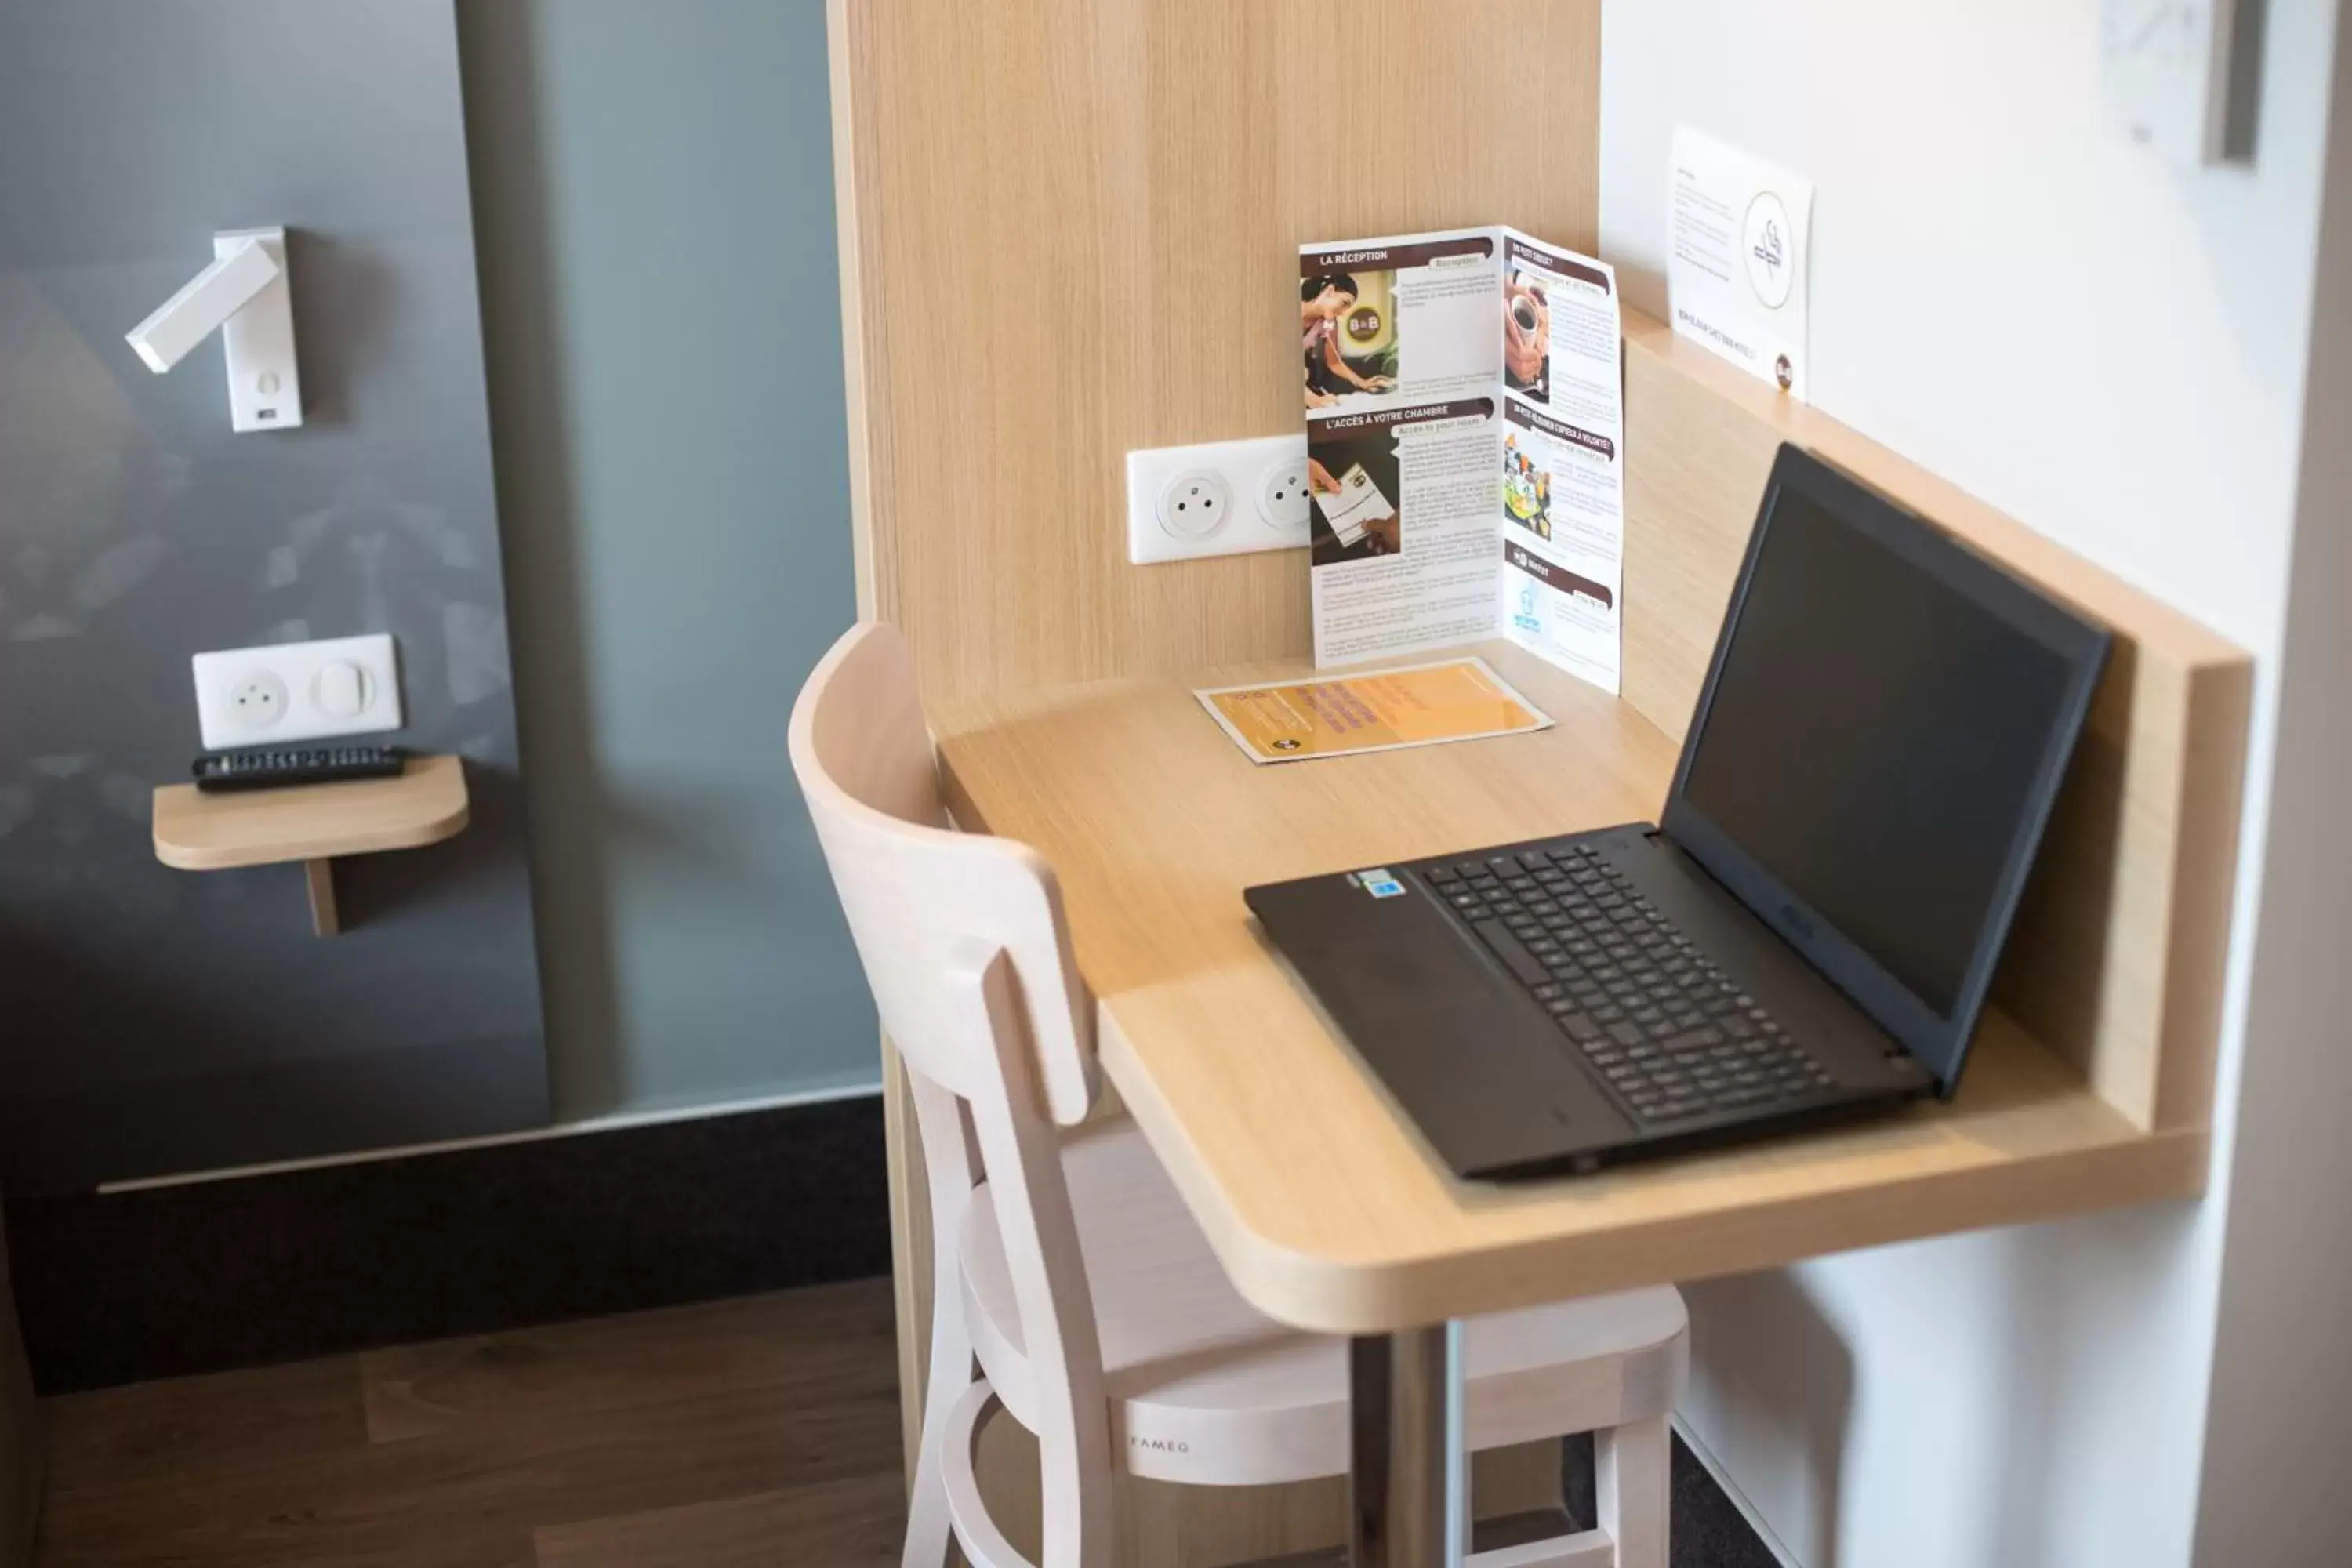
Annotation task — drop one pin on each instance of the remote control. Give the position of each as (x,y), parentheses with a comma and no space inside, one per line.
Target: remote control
(223,771)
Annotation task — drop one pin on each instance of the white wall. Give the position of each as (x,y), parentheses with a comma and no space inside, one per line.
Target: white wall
(2281,1419)
(2010,293)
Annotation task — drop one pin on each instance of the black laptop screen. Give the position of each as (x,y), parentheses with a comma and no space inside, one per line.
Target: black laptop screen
(1884,730)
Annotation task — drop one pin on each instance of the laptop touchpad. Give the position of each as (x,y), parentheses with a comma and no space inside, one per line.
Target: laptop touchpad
(1394,979)
(1489,1081)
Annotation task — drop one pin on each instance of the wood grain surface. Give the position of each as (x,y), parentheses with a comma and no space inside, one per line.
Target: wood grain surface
(762,1430)
(1062,238)
(2117,962)
(1069,229)
(1314,1191)
(200,832)
(759,1430)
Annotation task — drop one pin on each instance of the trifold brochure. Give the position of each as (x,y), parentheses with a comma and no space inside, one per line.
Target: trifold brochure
(1465,438)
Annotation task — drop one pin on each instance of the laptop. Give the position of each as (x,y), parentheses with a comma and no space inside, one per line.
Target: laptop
(1807,935)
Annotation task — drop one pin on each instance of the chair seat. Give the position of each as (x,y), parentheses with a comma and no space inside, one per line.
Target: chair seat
(1206,1390)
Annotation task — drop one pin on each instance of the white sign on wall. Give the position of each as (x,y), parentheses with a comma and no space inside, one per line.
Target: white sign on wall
(1740,231)
(2167,70)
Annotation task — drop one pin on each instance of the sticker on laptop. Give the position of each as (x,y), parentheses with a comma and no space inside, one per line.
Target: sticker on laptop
(1381,882)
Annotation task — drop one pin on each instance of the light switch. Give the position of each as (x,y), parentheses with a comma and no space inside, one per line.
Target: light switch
(341,689)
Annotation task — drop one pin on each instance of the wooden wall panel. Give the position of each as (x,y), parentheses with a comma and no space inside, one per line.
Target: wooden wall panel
(2117,959)
(1069,229)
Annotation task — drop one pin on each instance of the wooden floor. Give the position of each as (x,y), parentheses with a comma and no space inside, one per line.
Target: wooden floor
(763,1430)
(758,1431)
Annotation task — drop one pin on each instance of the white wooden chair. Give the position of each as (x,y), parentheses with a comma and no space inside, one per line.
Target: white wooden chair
(1066,1265)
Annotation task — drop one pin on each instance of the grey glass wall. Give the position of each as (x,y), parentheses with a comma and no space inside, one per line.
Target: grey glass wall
(154,1020)
(651,231)
(654,201)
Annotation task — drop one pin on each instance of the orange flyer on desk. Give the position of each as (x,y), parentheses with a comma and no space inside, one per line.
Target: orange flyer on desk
(1380,711)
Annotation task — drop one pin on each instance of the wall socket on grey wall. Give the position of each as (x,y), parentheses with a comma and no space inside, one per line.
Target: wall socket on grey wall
(296,691)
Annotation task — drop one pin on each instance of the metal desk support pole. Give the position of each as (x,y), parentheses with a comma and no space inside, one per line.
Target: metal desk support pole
(1404,1389)
(1457,1448)
(319,877)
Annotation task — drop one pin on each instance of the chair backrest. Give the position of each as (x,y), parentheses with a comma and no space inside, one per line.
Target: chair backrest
(968,957)
(919,896)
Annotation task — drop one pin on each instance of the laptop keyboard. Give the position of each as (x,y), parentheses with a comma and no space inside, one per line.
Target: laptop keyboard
(1660,1024)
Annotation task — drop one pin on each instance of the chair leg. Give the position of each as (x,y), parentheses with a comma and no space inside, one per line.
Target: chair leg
(983,1544)
(930,1529)
(1631,1487)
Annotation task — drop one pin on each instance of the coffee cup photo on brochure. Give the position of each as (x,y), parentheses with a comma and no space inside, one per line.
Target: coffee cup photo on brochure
(1527,338)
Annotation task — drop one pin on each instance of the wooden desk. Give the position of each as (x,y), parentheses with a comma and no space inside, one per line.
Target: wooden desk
(1314,1190)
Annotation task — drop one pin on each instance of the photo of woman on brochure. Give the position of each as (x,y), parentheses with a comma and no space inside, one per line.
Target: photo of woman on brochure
(1356,485)
(1527,339)
(1333,318)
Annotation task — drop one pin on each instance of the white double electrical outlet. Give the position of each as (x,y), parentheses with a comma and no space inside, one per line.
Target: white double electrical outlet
(296,691)
(1226,498)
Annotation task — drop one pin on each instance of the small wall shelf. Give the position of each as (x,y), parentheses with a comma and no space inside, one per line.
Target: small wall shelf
(314,824)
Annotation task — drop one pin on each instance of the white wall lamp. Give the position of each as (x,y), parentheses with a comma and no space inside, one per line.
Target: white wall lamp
(246,296)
